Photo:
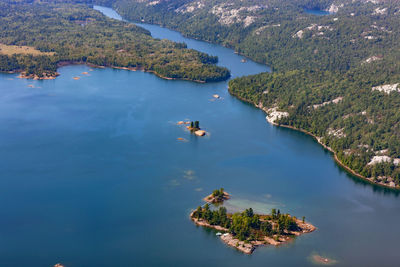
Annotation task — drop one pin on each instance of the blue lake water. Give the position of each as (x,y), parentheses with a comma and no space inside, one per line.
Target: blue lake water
(92,174)
(317,12)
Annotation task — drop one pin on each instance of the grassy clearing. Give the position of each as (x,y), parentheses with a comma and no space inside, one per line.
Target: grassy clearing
(15,49)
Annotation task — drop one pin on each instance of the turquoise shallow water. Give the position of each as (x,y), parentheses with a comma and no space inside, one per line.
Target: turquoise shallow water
(92,174)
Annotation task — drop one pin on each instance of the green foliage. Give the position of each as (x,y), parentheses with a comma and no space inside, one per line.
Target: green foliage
(216,217)
(77,33)
(218,192)
(247,225)
(266,228)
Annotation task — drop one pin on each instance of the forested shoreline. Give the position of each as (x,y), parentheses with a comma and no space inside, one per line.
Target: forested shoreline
(75,32)
(330,72)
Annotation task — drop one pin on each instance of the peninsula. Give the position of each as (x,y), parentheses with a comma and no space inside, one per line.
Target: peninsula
(54,33)
(247,230)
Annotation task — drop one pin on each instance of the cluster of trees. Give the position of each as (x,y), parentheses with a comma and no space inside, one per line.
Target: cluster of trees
(213,217)
(218,193)
(77,33)
(195,125)
(247,225)
(326,60)
(29,63)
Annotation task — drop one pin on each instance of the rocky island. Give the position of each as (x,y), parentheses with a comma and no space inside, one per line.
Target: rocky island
(217,196)
(247,230)
(194,127)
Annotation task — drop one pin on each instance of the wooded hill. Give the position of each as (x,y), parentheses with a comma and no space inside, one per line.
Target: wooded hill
(77,33)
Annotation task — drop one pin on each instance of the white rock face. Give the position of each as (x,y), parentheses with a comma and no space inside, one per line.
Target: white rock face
(312,27)
(337,133)
(274,115)
(380,11)
(379,159)
(228,15)
(334,8)
(334,101)
(382,152)
(387,89)
(372,59)
(298,34)
(248,21)
(153,3)
(190,8)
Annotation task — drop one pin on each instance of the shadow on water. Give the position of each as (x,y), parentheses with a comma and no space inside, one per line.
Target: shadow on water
(342,171)
(365,184)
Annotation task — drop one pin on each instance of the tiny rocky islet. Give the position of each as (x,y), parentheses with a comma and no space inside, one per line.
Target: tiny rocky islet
(318,259)
(193,127)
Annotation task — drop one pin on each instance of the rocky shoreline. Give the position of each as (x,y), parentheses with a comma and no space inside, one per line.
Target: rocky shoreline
(213,199)
(246,230)
(46,76)
(318,139)
(248,247)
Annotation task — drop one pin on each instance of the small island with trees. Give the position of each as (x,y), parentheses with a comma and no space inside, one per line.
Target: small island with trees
(194,127)
(217,196)
(247,230)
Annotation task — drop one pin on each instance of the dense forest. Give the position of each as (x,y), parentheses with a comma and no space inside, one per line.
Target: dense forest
(74,32)
(279,33)
(335,76)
